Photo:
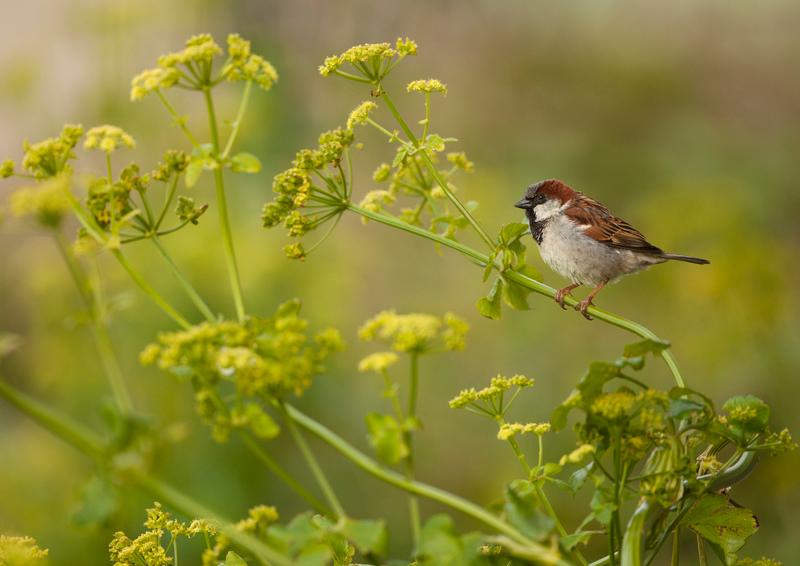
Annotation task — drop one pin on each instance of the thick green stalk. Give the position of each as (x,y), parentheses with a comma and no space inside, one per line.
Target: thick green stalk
(314,466)
(99,331)
(435,173)
(632,543)
(524,280)
(184,283)
(546,555)
(91,445)
(283,475)
(222,205)
(413,504)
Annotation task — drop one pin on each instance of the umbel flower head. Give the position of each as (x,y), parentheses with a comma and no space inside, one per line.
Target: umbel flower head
(245,364)
(416,332)
(372,61)
(50,157)
(312,191)
(20,551)
(107,139)
(47,201)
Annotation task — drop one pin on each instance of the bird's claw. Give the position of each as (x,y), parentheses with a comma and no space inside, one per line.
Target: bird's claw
(583,306)
(560,295)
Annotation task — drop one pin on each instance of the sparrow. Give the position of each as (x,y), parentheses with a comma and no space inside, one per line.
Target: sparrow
(582,240)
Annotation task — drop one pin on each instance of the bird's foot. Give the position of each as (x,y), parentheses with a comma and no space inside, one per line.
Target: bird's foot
(583,306)
(561,294)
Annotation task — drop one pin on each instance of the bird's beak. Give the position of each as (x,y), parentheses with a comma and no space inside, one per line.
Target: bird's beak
(522,203)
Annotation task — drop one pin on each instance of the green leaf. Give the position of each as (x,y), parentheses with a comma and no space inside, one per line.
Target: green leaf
(369,536)
(193,171)
(440,545)
(720,522)
(646,346)
(603,505)
(512,231)
(682,408)
(582,537)
(489,306)
(631,554)
(592,382)
(99,501)
(245,163)
(747,413)
(516,296)
(579,477)
(386,437)
(521,510)
(233,559)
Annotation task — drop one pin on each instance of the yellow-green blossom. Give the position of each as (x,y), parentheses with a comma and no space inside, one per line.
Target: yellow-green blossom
(199,49)
(459,159)
(498,385)
(427,86)
(245,66)
(613,405)
(47,201)
(378,362)
(577,455)
(763,561)
(365,58)
(258,519)
(360,113)
(20,551)
(381,173)
(152,80)
(295,251)
(49,157)
(376,200)
(107,138)
(6,169)
(508,430)
(415,332)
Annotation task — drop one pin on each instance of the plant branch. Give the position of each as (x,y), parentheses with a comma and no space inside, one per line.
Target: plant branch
(184,283)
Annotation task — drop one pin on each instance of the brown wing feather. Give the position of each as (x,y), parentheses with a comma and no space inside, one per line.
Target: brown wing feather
(607,228)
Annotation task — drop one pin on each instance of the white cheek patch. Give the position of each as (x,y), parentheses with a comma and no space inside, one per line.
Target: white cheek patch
(548,209)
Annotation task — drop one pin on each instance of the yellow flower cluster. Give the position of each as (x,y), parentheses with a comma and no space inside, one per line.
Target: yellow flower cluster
(6,169)
(152,80)
(19,551)
(415,332)
(498,385)
(47,201)
(613,406)
(508,430)
(372,60)
(242,65)
(258,519)
(378,362)
(577,455)
(262,357)
(49,157)
(107,138)
(200,49)
(376,200)
(360,113)
(427,86)
(459,159)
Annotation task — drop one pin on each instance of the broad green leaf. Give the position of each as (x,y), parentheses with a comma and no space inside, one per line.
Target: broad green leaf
(603,505)
(521,510)
(233,559)
(441,545)
(646,346)
(592,382)
(245,163)
(193,171)
(516,296)
(582,537)
(369,537)
(512,231)
(99,501)
(720,522)
(681,408)
(386,437)
(747,413)
(489,306)
(579,477)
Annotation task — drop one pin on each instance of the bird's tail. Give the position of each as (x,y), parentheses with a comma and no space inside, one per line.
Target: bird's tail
(686,258)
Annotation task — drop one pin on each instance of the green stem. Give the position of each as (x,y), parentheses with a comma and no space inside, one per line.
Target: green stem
(227,237)
(702,560)
(152,293)
(283,475)
(676,549)
(99,331)
(546,555)
(436,175)
(239,116)
(524,280)
(179,120)
(173,185)
(90,444)
(413,503)
(187,287)
(314,466)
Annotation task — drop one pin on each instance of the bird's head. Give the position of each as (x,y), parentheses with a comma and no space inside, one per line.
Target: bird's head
(545,199)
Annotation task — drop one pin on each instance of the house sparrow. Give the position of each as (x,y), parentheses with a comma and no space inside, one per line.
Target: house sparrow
(580,239)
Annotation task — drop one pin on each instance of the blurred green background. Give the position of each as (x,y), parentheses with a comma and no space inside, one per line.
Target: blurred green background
(683,117)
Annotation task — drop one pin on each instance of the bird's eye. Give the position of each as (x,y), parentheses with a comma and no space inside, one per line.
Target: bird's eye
(538,199)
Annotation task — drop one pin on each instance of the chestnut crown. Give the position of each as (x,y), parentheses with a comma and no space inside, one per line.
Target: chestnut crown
(543,191)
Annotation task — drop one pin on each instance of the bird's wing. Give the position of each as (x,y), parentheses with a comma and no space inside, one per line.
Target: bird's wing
(607,228)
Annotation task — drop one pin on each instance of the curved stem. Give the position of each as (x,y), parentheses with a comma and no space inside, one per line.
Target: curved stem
(527,282)
(319,475)
(239,116)
(173,185)
(283,475)
(546,555)
(222,205)
(102,340)
(187,287)
(179,120)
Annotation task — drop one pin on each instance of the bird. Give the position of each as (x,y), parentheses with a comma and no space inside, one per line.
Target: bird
(581,239)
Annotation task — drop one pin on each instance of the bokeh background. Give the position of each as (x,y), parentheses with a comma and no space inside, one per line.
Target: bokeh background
(683,117)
